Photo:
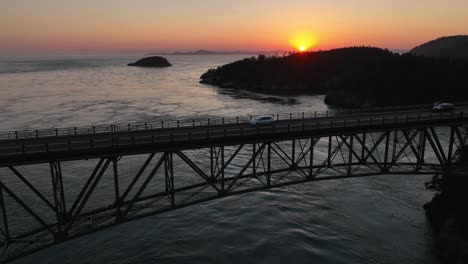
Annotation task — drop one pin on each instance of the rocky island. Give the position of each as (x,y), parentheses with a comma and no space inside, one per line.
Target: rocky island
(151,62)
(349,77)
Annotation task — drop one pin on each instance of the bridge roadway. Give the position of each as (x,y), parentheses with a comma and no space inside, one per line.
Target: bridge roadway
(38,149)
(257,158)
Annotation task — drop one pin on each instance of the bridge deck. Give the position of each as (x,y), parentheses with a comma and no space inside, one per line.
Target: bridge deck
(71,147)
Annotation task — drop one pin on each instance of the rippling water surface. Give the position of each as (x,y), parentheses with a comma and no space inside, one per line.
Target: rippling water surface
(371,220)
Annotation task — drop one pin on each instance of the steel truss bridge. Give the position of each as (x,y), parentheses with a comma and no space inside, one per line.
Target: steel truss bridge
(182,163)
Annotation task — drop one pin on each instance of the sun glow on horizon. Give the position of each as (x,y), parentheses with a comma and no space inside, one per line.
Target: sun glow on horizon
(303,41)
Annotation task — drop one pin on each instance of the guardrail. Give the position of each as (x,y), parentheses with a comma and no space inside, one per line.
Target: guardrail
(151,125)
(167,136)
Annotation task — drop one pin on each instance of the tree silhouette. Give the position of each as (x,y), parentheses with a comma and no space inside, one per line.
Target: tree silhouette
(349,76)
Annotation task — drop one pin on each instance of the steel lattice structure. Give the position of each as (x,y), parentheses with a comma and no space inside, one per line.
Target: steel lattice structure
(225,163)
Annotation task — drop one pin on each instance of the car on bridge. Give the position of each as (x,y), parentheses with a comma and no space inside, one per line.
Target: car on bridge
(262,120)
(440,107)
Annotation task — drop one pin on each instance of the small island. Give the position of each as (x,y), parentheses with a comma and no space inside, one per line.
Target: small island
(152,62)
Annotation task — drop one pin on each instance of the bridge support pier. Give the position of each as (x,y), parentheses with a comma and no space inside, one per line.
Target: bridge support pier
(269,165)
(59,198)
(222,169)
(313,142)
(329,158)
(169,176)
(387,148)
(350,154)
(451,143)
(293,156)
(254,161)
(394,145)
(116,184)
(4,231)
(363,148)
(421,147)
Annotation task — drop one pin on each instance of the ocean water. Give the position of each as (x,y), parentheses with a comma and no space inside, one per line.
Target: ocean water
(371,220)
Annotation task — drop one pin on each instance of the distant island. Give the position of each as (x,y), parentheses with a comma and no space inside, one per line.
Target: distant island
(349,77)
(208,52)
(151,62)
(454,47)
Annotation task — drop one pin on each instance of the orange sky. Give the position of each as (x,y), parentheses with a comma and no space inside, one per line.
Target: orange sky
(49,26)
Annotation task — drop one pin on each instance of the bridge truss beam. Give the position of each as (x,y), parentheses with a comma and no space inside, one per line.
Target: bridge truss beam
(159,184)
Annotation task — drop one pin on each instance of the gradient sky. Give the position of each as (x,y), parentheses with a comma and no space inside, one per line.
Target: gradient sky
(52,26)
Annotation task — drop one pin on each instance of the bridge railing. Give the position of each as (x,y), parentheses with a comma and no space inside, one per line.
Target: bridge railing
(225,132)
(307,125)
(151,125)
(178,123)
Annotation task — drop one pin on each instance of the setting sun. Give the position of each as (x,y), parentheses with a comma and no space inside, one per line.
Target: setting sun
(303,41)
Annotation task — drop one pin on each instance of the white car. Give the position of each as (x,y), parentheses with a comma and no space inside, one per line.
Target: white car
(443,107)
(262,120)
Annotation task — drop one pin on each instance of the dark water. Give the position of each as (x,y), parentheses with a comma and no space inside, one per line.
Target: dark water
(371,220)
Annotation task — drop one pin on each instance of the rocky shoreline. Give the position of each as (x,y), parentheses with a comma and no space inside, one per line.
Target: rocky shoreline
(451,244)
(448,214)
(211,77)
